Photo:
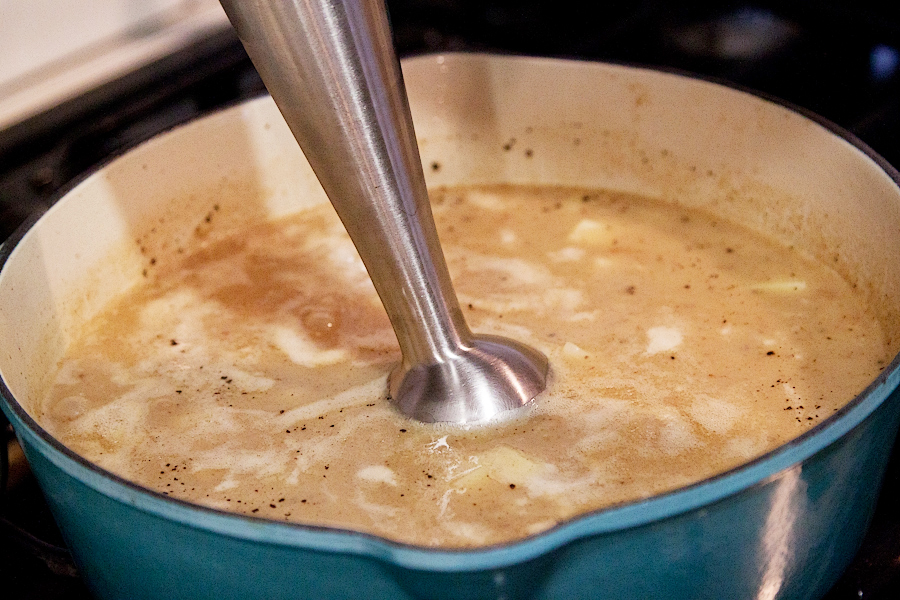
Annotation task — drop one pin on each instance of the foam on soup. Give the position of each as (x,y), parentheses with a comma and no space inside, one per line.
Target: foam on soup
(249,372)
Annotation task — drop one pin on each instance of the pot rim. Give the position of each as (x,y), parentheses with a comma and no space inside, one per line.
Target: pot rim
(627,515)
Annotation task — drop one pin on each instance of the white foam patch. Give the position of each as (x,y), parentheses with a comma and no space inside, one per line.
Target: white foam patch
(121,376)
(471,532)
(558,300)
(438,444)
(170,307)
(663,339)
(377,474)
(216,420)
(486,200)
(792,393)
(294,477)
(444,511)
(567,254)
(355,396)
(511,330)
(269,458)
(584,316)
(574,352)
(564,299)
(745,447)
(516,270)
(590,232)
(303,351)
(333,445)
(226,484)
(539,526)
(189,330)
(380,341)
(248,382)
(237,461)
(68,373)
(558,487)
(498,303)
(715,415)
(375,511)
(335,245)
(120,422)
(676,434)
(456,469)
(70,407)
(183,316)
(124,414)
(780,286)
(507,236)
(602,424)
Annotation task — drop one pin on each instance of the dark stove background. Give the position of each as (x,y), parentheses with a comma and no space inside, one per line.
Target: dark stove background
(839,58)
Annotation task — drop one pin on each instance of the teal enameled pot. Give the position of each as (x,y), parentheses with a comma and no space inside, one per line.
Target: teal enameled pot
(782,526)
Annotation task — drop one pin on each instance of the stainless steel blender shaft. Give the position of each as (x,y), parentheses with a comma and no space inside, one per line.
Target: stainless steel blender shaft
(331,68)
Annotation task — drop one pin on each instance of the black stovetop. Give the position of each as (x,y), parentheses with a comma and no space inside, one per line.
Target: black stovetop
(839,58)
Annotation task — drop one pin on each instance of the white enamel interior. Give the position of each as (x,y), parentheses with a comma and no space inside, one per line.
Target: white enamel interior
(480,119)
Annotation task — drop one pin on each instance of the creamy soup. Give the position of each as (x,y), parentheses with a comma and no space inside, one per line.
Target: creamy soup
(249,372)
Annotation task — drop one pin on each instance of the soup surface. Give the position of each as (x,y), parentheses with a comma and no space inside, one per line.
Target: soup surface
(249,372)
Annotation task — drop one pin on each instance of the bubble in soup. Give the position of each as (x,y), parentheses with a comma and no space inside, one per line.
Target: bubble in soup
(248,373)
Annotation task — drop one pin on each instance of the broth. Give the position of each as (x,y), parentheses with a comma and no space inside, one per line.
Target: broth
(249,372)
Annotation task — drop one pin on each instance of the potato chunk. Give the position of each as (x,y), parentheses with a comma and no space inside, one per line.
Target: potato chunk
(501,464)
